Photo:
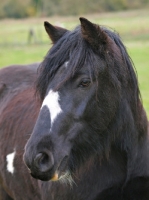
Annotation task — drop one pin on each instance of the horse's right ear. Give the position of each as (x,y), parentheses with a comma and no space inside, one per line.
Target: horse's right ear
(54,32)
(93,34)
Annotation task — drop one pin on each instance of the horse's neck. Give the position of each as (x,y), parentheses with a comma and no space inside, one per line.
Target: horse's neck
(138,164)
(116,170)
(105,172)
(132,136)
(138,154)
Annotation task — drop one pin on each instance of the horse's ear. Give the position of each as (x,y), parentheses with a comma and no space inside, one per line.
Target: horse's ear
(93,34)
(54,32)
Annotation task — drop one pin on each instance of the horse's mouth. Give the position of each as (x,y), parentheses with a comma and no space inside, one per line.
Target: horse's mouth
(63,164)
(61,170)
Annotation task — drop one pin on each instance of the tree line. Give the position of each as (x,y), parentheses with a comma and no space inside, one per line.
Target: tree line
(31,8)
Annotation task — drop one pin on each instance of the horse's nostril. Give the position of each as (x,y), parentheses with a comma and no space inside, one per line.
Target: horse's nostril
(40,159)
(44,161)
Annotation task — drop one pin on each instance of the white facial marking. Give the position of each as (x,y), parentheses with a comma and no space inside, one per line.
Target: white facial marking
(66,64)
(10,160)
(52,102)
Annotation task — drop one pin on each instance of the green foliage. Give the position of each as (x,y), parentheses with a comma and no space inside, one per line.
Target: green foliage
(13,8)
(28,8)
(114,5)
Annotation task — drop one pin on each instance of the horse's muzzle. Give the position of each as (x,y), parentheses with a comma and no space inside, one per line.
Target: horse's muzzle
(41,165)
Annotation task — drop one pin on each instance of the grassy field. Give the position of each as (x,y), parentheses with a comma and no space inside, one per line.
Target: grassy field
(133,26)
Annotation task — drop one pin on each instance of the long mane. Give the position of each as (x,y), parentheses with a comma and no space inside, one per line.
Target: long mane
(72,47)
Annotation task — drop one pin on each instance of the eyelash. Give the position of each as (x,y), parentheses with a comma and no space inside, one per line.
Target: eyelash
(85,83)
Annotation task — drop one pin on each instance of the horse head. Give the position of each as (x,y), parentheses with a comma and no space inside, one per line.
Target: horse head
(89,95)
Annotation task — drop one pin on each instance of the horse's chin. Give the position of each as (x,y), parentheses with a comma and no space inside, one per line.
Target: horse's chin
(62,177)
(41,177)
(46,176)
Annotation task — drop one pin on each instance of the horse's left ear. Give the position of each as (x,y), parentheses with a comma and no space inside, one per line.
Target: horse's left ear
(54,32)
(93,34)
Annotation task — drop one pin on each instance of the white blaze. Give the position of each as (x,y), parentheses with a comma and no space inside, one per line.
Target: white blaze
(66,64)
(52,102)
(10,160)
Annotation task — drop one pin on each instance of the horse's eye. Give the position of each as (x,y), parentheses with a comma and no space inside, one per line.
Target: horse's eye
(85,83)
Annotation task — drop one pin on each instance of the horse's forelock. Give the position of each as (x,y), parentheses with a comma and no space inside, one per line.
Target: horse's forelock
(73,48)
(70,48)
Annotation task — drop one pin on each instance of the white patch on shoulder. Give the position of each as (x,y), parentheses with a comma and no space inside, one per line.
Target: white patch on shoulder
(52,102)
(10,159)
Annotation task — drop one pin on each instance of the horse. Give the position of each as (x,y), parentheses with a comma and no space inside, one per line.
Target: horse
(88,131)
(91,134)
(18,113)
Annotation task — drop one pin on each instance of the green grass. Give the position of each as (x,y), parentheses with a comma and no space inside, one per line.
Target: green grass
(132,26)
(22,54)
(139,52)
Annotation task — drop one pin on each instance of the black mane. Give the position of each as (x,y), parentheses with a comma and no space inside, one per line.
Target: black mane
(74,48)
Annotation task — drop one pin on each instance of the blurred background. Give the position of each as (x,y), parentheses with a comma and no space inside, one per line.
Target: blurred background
(23,39)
